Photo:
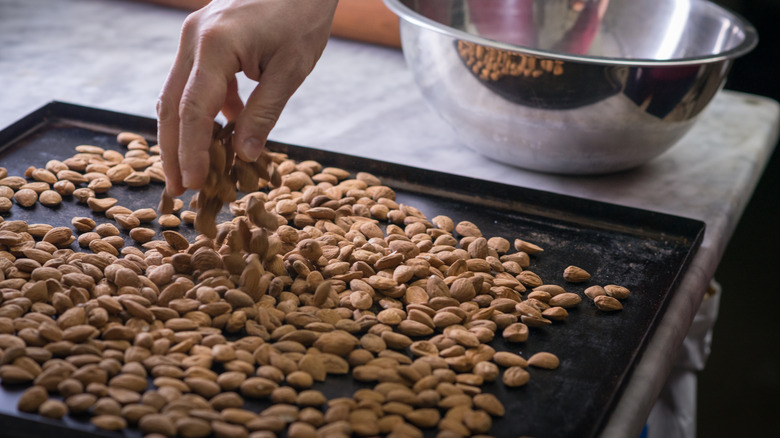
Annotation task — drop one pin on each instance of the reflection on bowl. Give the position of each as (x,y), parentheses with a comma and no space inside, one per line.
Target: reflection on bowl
(537,82)
(570,86)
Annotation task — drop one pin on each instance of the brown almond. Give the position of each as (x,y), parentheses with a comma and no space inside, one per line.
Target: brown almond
(527,247)
(145,214)
(5,204)
(544,360)
(176,240)
(595,291)
(565,300)
(83,224)
(53,409)
(64,188)
(14,182)
(44,176)
(424,418)
(83,194)
(137,179)
(50,198)
(606,303)
(142,235)
(118,173)
(490,404)
(515,376)
(127,221)
(555,313)
(38,230)
(169,221)
(100,185)
(101,204)
(32,398)
(109,422)
(157,423)
(58,236)
(156,174)
(517,332)
(26,197)
(124,138)
(575,274)
(615,291)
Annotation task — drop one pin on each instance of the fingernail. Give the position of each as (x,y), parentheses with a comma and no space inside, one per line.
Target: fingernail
(253,146)
(186,178)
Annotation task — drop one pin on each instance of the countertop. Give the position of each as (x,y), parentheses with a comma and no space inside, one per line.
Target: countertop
(361,100)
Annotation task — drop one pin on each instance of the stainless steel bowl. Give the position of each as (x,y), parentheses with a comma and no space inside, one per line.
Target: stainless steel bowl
(570,86)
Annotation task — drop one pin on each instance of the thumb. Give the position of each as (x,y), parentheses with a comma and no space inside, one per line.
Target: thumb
(263,108)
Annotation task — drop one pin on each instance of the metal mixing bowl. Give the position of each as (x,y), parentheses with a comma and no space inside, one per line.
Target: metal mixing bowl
(570,86)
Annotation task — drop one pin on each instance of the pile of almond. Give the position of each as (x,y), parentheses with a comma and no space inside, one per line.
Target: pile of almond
(319,273)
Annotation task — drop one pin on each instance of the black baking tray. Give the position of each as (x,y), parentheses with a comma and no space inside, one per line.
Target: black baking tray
(643,250)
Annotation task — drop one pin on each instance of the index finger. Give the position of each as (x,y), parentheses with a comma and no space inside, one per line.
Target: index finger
(202,99)
(168,123)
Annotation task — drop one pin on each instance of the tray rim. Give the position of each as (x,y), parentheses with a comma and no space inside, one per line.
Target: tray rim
(692,230)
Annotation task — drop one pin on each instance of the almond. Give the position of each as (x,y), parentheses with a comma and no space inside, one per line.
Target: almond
(595,291)
(137,179)
(565,300)
(59,236)
(574,274)
(527,247)
(83,224)
(607,304)
(26,197)
(615,291)
(515,376)
(101,204)
(544,360)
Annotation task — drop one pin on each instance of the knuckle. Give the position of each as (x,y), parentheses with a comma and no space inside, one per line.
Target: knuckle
(264,118)
(191,24)
(190,110)
(165,108)
(214,37)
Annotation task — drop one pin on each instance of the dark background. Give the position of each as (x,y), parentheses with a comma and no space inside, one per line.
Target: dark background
(739,390)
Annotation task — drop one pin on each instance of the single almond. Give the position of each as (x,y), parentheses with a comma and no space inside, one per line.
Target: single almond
(595,291)
(527,247)
(606,303)
(109,422)
(544,360)
(127,221)
(517,332)
(58,236)
(615,291)
(137,179)
(566,300)
(145,214)
(169,221)
(100,185)
(117,174)
(83,194)
(44,175)
(115,210)
(101,204)
(5,204)
(575,274)
(26,197)
(515,376)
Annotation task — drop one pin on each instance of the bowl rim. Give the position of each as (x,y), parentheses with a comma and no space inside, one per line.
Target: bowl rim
(748,43)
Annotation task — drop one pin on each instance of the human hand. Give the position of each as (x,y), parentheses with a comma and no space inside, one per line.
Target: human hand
(274,42)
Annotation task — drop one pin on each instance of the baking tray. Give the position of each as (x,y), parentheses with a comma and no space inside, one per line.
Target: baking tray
(642,250)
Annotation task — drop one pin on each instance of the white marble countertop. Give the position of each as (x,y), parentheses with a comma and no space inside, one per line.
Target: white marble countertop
(361,100)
